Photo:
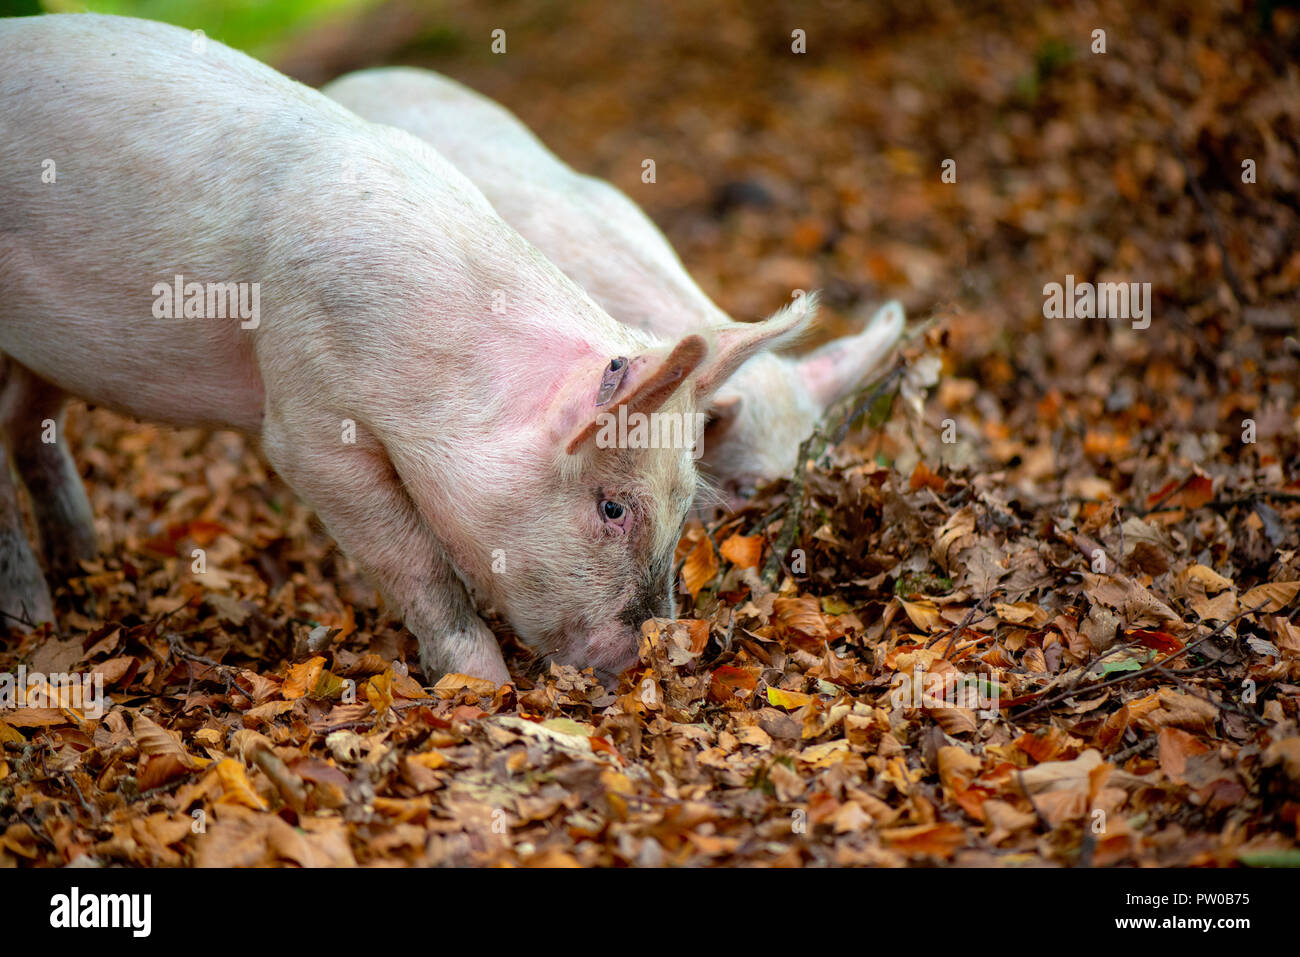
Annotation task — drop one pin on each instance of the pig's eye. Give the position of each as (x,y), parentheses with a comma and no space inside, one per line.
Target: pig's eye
(613,512)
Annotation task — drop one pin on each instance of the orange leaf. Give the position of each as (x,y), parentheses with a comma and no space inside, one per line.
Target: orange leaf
(1046,745)
(698,629)
(1096,443)
(301,678)
(1272,596)
(429,759)
(9,736)
(603,744)
(1159,640)
(200,531)
(924,614)
(379,691)
(204,533)
(972,801)
(453,683)
(700,567)
(1197,490)
(235,786)
(922,477)
(938,840)
(730,683)
(743,551)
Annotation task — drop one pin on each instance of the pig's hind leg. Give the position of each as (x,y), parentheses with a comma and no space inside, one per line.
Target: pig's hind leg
(357,495)
(24,596)
(32,415)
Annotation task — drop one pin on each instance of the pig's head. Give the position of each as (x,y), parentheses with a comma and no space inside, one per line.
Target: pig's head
(758,419)
(594,517)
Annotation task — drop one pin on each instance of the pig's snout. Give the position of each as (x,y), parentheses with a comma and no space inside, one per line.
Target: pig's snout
(612,652)
(649,602)
(615,648)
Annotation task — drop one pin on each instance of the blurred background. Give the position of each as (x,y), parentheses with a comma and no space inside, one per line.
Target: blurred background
(779,170)
(1151,142)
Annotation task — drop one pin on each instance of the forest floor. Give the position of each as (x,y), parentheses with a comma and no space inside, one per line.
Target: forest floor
(1084,530)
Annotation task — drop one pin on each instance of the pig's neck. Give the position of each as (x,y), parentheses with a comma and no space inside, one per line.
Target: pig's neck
(513,386)
(550,336)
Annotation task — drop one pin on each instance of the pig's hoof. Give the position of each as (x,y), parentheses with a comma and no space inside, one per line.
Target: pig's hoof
(476,654)
(65,553)
(24,597)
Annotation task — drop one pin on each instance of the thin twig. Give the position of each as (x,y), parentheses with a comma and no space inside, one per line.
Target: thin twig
(25,622)
(1144,512)
(94,814)
(1131,675)
(1253,497)
(968,620)
(1231,708)
(1143,745)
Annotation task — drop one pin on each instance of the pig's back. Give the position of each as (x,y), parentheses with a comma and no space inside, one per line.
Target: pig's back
(167,161)
(593,232)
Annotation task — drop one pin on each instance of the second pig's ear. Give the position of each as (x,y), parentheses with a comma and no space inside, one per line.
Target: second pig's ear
(834,370)
(735,344)
(643,384)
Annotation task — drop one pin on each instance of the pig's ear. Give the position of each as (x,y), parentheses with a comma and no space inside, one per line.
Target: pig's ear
(650,380)
(734,344)
(835,369)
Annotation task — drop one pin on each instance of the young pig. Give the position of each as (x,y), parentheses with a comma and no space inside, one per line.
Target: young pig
(190,237)
(603,240)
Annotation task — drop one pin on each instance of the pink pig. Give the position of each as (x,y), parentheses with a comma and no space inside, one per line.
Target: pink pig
(423,377)
(603,241)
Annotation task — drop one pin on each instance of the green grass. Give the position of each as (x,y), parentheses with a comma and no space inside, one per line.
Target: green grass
(258,27)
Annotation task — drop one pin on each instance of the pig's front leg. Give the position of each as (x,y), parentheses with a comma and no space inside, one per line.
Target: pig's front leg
(356,493)
(24,597)
(32,413)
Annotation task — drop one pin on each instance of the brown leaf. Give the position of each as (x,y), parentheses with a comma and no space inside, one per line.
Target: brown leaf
(1003,820)
(449,685)
(924,615)
(1175,747)
(956,534)
(957,767)
(1287,754)
(803,615)
(154,741)
(1273,596)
